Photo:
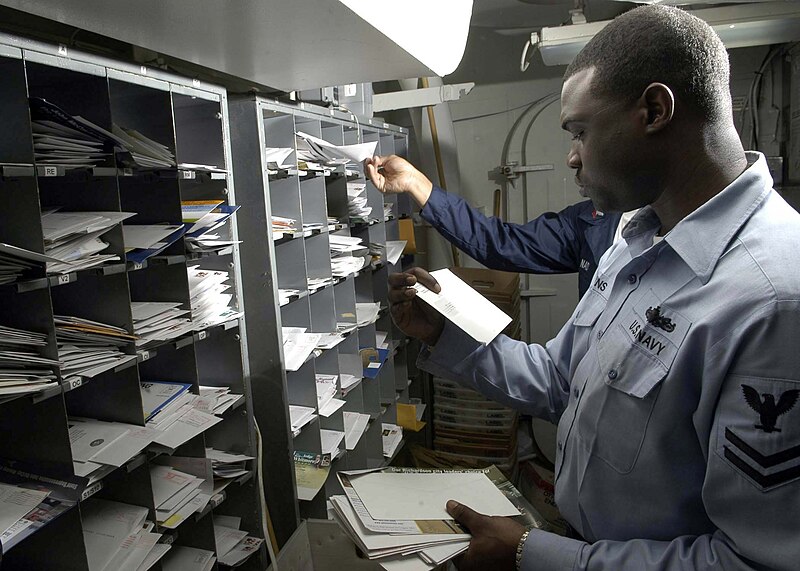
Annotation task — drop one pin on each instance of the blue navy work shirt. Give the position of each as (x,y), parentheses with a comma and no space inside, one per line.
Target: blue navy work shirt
(675,387)
(572,240)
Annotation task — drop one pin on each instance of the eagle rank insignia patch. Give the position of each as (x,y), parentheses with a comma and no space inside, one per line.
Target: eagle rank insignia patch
(759,434)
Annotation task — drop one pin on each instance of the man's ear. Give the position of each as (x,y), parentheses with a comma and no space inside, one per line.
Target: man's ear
(659,103)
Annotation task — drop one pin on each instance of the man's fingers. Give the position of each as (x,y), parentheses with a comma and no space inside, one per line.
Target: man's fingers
(425,279)
(464,515)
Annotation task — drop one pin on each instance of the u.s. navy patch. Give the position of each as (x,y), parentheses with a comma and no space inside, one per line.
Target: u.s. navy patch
(759,430)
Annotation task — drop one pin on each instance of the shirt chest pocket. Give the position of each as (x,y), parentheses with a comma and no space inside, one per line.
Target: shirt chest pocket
(634,356)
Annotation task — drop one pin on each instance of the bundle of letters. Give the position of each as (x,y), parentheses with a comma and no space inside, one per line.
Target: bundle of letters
(22,369)
(315,284)
(200,217)
(73,142)
(392,436)
(413,533)
(217,400)
(208,298)
(279,158)
(327,403)
(155,321)
(233,545)
(17,262)
(312,149)
(175,413)
(118,536)
(285,295)
(145,152)
(182,558)
(299,416)
(74,238)
(177,494)
(348,255)
(63,140)
(357,202)
(87,348)
(227,465)
(282,226)
(143,241)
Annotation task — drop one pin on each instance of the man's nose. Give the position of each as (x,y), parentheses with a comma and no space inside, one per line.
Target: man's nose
(573,159)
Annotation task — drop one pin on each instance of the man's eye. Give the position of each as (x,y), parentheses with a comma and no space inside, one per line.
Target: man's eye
(577,136)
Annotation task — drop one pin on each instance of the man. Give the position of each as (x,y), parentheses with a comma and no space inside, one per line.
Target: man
(568,241)
(675,383)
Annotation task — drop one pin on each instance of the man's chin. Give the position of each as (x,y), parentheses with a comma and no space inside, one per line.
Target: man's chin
(583,192)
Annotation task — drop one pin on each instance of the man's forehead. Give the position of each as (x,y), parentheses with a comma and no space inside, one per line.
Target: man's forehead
(576,94)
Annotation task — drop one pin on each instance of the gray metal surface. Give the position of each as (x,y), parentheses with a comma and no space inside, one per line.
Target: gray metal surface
(294,45)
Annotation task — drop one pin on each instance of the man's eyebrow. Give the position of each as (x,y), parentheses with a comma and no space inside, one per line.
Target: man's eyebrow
(565,124)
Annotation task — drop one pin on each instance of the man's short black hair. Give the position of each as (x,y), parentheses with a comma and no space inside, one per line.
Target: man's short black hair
(659,44)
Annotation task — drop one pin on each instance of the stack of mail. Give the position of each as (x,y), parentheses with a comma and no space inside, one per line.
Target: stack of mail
(88,348)
(315,284)
(298,345)
(331,440)
(327,404)
(394,249)
(72,142)
(200,217)
(22,368)
(73,238)
(178,494)
(279,158)
(179,421)
(234,546)
(355,425)
(210,303)
(98,447)
(348,255)
(300,416)
(117,536)
(15,503)
(182,558)
(314,149)
(163,396)
(227,465)
(217,400)
(143,241)
(285,295)
(357,201)
(155,321)
(16,262)
(310,227)
(145,152)
(367,313)
(392,437)
(376,513)
(348,382)
(333,223)
(282,226)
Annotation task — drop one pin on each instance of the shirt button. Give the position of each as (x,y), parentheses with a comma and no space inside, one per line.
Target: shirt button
(612,374)
(560,446)
(600,334)
(632,279)
(576,392)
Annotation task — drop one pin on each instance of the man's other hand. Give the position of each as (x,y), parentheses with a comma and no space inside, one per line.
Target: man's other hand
(392,174)
(494,540)
(412,315)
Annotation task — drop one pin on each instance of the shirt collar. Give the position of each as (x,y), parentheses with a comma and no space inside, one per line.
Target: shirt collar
(701,238)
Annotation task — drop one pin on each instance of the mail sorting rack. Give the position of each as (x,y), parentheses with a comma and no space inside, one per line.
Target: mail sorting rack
(190,118)
(287,263)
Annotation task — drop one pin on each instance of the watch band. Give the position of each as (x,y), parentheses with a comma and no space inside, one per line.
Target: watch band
(520,547)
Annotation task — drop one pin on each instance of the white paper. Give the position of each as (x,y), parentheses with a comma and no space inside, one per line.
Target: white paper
(158,551)
(16,502)
(464,306)
(186,427)
(144,236)
(106,525)
(386,495)
(354,426)
(394,249)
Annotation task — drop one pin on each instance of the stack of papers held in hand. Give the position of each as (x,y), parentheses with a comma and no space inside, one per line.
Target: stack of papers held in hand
(233,545)
(73,239)
(87,348)
(210,303)
(377,515)
(155,321)
(22,369)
